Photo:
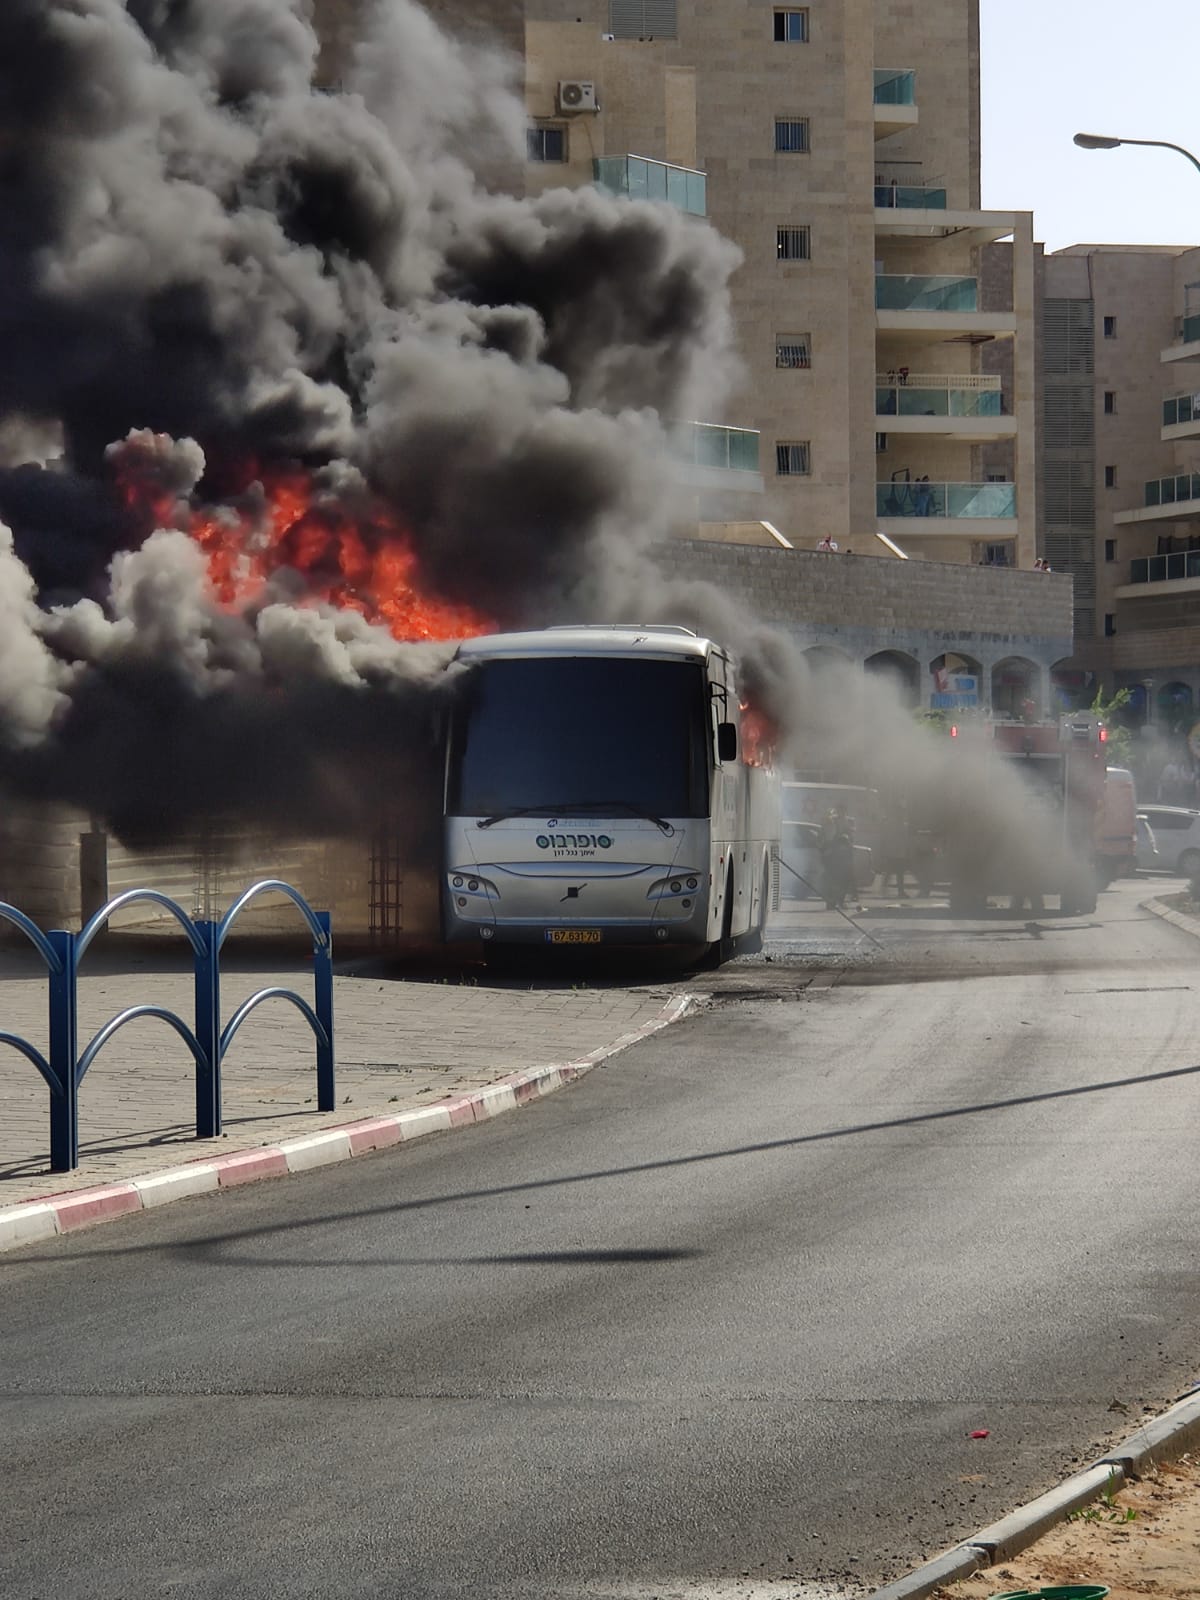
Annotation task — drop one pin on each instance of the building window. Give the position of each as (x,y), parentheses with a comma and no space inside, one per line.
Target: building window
(881,444)
(792,244)
(1110,549)
(791,135)
(791,26)
(642,19)
(996,477)
(546,144)
(1110,624)
(1110,402)
(792,458)
(1110,477)
(999,555)
(1110,327)
(793,350)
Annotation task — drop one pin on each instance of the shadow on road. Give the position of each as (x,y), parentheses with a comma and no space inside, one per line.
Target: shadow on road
(205,1247)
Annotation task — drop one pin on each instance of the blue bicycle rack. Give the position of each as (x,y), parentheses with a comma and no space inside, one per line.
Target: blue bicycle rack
(64,1068)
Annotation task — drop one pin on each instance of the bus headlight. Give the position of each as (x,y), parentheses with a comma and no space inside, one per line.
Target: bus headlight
(679,883)
(469,886)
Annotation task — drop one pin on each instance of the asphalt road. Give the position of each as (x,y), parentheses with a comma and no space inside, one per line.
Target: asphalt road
(717,1322)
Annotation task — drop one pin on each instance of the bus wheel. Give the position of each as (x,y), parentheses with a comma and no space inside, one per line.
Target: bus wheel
(751,943)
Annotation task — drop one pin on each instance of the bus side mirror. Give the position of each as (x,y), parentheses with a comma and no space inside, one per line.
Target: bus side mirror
(727,741)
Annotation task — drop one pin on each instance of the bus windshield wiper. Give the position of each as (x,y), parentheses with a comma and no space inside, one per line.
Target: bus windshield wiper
(577,808)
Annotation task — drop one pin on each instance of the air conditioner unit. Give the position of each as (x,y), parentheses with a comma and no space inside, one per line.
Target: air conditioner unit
(573,95)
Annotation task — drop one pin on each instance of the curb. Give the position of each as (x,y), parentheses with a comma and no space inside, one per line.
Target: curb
(43,1218)
(1169,1435)
(1177,919)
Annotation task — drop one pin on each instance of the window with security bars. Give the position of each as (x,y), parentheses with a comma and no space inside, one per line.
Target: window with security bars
(793,243)
(642,19)
(791,25)
(792,458)
(793,351)
(791,135)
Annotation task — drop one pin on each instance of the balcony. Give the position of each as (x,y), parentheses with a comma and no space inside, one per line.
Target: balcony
(1163,569)
(895,101)
(716,457)
(952,501)
(941,306)
(1172,499)
(640,178)
(963,406)
(908,197)
(1187,339)
(925,292)
(1181,416)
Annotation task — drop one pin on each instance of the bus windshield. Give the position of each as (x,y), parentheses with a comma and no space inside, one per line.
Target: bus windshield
(549,733)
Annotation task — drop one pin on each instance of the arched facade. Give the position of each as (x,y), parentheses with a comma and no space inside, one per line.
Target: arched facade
(899,669)
(1017,689)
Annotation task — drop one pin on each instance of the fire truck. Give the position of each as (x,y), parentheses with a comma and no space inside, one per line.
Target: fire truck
(1023,803)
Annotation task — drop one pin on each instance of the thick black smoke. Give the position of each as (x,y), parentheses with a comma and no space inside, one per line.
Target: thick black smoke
(197,243)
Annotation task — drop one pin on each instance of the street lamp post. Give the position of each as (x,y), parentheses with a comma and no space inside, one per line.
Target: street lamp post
(1103,141)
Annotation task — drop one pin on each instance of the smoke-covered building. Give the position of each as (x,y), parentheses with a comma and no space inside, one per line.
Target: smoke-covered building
(887,373)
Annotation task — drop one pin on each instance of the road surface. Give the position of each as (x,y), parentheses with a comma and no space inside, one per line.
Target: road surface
(717,1322)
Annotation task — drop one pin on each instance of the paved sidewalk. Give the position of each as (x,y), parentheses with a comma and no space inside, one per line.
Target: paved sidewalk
(401,1043)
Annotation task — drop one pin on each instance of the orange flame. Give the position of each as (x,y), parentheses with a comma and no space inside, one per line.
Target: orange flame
(356,557)
(759,737)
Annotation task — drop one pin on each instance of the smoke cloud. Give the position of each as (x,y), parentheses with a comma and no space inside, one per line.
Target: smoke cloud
(221,278)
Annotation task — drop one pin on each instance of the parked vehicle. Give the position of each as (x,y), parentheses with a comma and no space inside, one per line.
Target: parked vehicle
(1115,855)
(802,860)
(1146,847)
(1177,835)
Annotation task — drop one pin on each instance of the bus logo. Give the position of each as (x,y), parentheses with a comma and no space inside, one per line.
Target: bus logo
(573,841)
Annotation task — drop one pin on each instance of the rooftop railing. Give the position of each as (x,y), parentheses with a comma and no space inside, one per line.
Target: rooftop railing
(1159,569)
(641,178)
(945,499)
(921,292)
(1171,491)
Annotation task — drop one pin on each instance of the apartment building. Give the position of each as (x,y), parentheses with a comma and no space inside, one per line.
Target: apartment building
(889,370)
(1120,479)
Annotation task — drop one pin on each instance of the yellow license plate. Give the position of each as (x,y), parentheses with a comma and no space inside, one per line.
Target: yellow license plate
(574,935)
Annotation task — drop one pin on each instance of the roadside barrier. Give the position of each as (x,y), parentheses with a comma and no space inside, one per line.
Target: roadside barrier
(65,1066)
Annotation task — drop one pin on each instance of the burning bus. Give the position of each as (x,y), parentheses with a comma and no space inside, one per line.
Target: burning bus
(604,787)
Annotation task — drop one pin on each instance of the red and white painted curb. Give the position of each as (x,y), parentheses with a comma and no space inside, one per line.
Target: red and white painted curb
(63,1213)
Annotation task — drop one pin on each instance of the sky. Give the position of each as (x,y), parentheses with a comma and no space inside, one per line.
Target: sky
(1054,68)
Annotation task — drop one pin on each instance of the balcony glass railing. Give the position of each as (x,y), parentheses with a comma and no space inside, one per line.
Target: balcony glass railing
(1170,491)
(896,291)
(946,499)
(1157,569)
(902,400)
(909,197)
(1181,408)
(643,179)
(1188,328)
(706,444)
(894,88)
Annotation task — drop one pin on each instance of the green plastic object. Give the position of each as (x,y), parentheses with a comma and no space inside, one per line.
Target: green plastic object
(1061,1591)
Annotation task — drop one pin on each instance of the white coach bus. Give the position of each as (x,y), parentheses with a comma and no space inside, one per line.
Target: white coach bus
(598,793)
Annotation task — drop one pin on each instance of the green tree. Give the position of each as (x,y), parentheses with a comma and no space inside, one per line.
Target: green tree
(1120,740)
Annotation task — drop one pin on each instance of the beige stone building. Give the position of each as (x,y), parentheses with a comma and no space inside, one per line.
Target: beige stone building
(1120,478)
(889,369)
